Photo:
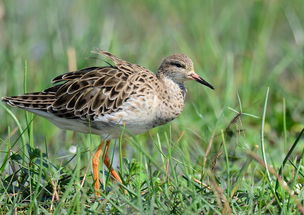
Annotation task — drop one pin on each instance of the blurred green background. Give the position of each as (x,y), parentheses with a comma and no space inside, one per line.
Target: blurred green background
(240,47)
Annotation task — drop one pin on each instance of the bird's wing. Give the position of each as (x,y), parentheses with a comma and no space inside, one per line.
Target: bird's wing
(94,93)
(87,93)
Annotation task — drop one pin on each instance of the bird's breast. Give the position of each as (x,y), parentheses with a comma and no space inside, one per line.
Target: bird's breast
(171,104)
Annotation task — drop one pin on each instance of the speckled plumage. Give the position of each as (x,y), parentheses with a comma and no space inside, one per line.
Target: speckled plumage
(105,100)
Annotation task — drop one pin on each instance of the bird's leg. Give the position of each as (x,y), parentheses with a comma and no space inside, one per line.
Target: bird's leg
(95,164)
(106,161)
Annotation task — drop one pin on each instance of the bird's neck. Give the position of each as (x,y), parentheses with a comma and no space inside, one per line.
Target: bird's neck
(172,96)
(174,87)
(171,84)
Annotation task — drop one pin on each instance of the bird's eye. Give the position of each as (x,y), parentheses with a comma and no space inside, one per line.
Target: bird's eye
(177,64)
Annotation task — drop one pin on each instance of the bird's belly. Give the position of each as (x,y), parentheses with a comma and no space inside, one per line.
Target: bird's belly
(109,129)
(135,118)
(116,129)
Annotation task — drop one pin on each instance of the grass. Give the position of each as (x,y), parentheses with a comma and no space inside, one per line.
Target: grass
(238,149)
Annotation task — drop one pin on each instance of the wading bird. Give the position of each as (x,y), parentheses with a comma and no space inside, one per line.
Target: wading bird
(105,100)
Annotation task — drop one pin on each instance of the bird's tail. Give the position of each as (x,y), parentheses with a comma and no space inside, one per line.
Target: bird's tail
(36,100)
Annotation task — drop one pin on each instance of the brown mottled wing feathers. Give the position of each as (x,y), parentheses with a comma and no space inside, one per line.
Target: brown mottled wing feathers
(87,93)
(92,93)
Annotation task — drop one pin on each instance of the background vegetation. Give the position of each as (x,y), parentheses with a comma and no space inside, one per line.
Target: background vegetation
(212,159)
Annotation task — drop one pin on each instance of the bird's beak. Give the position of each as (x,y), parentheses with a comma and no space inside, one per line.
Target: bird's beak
(199,79)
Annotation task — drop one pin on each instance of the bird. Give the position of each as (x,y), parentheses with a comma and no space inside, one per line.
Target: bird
(109,99)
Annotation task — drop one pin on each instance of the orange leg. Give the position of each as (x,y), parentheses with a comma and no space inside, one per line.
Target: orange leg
(95,164)
(106,160)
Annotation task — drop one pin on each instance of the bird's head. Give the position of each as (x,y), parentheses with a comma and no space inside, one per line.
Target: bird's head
(179,67)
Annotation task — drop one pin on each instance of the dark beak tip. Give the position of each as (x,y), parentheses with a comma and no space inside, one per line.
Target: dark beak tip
(202,81)
(211,87)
